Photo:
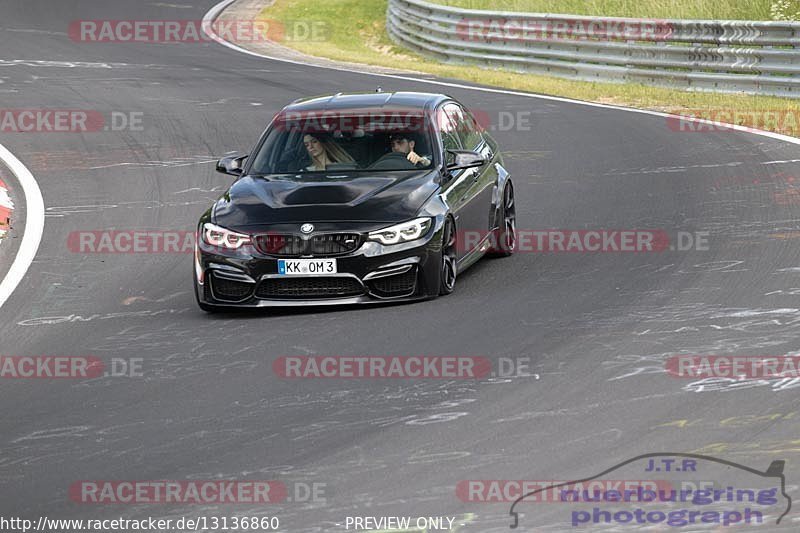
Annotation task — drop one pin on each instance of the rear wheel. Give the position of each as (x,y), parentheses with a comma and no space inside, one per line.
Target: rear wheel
(505,236)
(449,269)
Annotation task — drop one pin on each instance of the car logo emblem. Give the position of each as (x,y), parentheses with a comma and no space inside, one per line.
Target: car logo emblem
(307,228)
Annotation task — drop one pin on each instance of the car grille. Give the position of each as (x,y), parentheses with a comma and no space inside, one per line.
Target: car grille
(335,243)
(322,287)
(280,245)
(229,290)
(287,245)
(397,285)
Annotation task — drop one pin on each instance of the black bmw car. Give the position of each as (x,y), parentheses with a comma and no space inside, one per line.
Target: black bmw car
(355,198)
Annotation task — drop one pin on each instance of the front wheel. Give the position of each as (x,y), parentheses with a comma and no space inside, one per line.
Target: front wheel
(210,309)
(202,305)
(505,236)
(449,267)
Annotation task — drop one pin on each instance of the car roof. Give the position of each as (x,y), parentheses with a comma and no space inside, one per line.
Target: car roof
(345,101)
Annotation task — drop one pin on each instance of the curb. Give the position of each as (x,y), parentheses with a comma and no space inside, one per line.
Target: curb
(33,207)
(6,209)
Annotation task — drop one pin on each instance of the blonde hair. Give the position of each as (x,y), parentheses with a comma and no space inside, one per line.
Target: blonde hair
(335,153)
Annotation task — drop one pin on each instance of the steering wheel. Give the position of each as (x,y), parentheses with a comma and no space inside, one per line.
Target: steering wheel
(393,161)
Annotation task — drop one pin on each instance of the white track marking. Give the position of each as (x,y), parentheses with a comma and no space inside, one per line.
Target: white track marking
(34,224)
(214,12)
(73,64)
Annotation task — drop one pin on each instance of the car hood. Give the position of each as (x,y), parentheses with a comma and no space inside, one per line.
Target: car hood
(389,197)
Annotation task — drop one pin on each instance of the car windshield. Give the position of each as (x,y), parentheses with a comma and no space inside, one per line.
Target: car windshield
(300,143)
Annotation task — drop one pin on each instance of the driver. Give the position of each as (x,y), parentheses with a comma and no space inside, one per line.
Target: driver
(404,143)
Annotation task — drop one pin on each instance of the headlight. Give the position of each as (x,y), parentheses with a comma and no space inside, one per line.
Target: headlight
(407,231)
(224,238)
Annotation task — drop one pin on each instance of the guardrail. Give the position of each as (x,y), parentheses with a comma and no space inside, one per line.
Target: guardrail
(722,56)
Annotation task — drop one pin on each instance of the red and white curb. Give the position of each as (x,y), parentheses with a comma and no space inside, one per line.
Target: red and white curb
(34,223)
(6,207)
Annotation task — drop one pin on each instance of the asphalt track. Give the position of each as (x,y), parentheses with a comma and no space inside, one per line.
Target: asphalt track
(596,327)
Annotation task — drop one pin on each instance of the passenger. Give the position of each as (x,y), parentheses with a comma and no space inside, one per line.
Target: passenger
(324,152)
(404,143)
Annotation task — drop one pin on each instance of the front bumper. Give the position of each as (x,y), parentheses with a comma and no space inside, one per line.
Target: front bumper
(372,274)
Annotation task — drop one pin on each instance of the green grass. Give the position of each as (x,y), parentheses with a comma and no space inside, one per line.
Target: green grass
(357,33)
(682,9)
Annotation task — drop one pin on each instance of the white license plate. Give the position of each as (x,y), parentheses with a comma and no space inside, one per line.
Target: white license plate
(304,267)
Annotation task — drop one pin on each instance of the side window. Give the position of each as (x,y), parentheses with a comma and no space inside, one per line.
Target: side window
(447,131)
(472,131)
(466,128)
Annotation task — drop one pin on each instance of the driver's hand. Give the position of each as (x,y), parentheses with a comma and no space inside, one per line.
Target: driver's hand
(416,159)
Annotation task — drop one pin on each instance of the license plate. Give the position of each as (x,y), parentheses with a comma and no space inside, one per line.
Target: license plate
(304,267)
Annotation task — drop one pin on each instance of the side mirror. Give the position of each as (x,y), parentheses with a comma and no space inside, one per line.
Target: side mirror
(232,165)
(465,159)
